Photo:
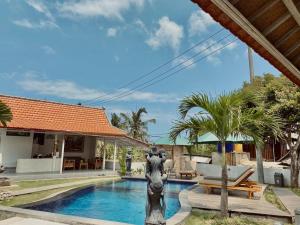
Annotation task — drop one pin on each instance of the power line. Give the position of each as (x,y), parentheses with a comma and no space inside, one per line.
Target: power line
(123,94)
(159,67)
(173,73)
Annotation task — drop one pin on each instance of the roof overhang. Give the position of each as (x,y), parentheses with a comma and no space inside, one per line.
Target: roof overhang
(271,28)
(123,140)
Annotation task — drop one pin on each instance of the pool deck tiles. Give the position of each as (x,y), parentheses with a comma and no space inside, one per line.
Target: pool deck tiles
(288,198)
(201,200)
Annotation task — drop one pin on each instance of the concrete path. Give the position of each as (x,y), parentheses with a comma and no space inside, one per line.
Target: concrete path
(288,198)
(27,221)
(56,186)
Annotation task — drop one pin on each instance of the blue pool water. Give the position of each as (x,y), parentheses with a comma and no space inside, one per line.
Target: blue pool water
(118,201)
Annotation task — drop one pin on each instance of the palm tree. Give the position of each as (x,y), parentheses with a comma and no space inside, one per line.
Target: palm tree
(116,121)
(135,125)
(5,114)
(223,116)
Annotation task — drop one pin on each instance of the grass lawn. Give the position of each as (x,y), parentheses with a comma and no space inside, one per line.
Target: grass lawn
(28,198)
(271,197)
(296,191)
(39,183)
(199,217)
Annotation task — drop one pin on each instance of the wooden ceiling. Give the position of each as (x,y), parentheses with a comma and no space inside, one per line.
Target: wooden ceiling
(270,27)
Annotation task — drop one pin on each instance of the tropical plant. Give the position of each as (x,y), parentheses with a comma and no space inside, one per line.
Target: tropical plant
(223,116)
(135,125)
(281,97)
(122,160)
(5,114)
(116,121)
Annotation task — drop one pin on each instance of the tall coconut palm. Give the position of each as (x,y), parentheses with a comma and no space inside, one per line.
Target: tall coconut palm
(135,125)
(5,114)
(116,121)
(223,116)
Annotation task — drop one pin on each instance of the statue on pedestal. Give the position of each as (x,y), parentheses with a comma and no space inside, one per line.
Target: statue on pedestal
(128,162)
(155,205)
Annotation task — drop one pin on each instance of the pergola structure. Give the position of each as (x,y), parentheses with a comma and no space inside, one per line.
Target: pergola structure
(270,27)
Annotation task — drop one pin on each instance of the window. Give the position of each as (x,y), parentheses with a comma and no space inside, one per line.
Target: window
(39,138)
(74,143)
(17,133)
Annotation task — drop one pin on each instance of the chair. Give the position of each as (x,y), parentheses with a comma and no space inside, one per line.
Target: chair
(240,183)
(170,169)
(188,171)
(69,164)
(95,164)
(83,164)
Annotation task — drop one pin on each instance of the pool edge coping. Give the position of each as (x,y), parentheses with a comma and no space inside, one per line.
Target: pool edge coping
(176,219)
(185,208)
(55,217)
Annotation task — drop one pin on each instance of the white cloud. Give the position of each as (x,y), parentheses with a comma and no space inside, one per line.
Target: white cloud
(48,50)
(69,90)
(112,32)
(199,21)
(111,9)
(42,24)
(212,49)
(40,7)
(184,61)
(7,76)
(169,34)
(140,24)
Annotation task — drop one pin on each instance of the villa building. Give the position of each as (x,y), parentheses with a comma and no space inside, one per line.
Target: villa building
(48,136)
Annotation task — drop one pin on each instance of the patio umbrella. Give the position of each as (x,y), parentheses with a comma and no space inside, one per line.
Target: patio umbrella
(210,138)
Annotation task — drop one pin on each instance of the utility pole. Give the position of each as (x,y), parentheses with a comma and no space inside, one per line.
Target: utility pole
(258,147)
(251,69)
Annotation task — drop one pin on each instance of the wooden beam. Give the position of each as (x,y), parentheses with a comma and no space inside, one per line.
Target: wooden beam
(245,24)
(286,36)
(293,9)
(233,2)
(292,49)
(262,10)
(276,24)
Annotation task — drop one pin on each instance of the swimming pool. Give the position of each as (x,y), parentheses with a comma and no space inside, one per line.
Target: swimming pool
(118,201)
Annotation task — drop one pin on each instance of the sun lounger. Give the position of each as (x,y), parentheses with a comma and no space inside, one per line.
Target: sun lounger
(188,171)
(241,183)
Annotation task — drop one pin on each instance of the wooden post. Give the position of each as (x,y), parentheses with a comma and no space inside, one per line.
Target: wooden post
(115,155)
(62,154)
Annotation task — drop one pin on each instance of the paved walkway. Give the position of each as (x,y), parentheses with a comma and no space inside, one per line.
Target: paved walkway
(201,200)
(65,174)
(288,198)
(56,186)
(27,221)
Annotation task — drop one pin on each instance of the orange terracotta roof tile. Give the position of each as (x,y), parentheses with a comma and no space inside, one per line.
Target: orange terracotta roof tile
(42,115)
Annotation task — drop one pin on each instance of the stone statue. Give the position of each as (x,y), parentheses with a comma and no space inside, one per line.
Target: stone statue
(155,205)
(128,162)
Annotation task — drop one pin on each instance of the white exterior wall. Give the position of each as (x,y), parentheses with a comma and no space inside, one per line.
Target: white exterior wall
(38,165)
(14,147)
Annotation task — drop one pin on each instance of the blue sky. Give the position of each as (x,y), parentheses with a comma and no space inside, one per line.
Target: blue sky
(76,50)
